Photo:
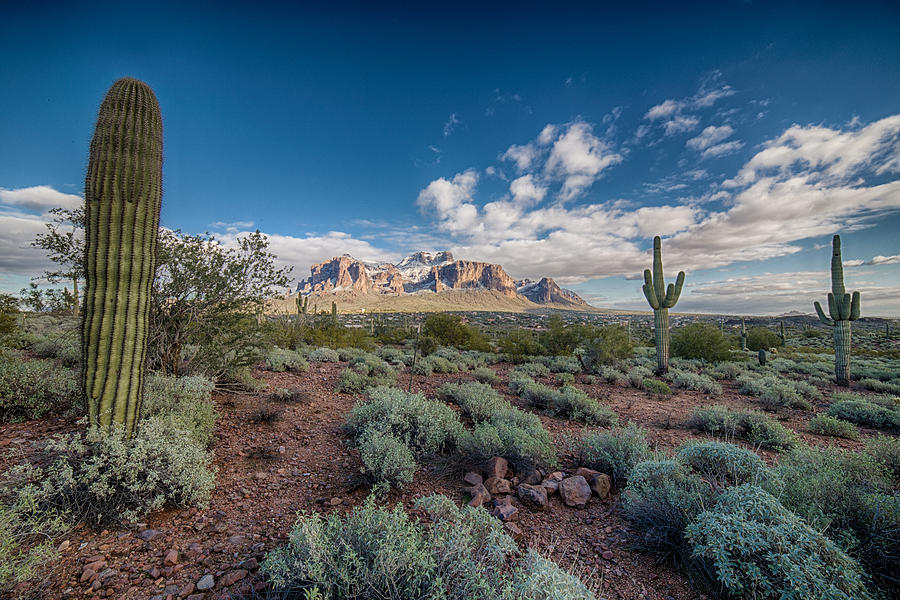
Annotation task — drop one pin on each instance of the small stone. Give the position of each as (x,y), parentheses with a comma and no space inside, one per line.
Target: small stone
(533,494)
(148,534)
(195,597)
(585,472)
(600,484)
(88,575)
(551,485)
(533,477)
(64,546)
(506,512)
(495,485)
(206,582)
(556,476)
(575,491)
(281,449)
(607,555)
(480,495)
(251,564)
(233,577)
(186,590)
(96,565)
(497,467)
(171,557)
(473,478)
(153,573)
(237,540)
(513,530)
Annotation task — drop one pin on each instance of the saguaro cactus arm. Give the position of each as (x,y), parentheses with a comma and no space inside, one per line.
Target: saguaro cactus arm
(649,291)
(821,314)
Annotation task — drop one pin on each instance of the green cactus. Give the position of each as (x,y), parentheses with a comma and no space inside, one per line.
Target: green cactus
(743,336)
(843,308)
(761,356)
(334,312)
(661,299)
(781,332)
(123,193)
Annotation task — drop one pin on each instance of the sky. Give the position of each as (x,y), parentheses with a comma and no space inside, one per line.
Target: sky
(554,140)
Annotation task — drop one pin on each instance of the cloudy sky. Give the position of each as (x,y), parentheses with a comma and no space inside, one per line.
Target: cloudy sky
(554,141)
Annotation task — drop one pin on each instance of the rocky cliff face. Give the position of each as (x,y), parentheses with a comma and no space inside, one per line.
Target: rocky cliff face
(428,272)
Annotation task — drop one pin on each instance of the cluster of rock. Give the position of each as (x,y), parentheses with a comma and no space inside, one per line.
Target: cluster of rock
(428,272)
(495,486)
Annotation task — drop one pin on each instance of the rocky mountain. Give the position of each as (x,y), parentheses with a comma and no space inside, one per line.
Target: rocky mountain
(425,272)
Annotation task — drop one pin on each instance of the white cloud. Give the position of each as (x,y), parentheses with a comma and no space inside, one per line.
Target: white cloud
(710,136)
(39,198)
(232,225)
(526,191)
(885,260)
(579,158)
(451,124)
(523,156)
(666,109)
(722,149)
(17,256)
(680,124)
(451,200)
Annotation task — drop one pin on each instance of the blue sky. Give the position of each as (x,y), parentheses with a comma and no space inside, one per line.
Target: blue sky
(554,140)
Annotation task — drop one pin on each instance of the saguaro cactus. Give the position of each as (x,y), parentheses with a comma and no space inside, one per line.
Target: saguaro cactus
(781,332)
(661,300)
(123,193)
(843,308)
(743,336)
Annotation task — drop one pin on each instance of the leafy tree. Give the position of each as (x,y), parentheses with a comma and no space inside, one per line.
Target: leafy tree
(9,308)
(701,340)
(562,339)
(64,243)
(760,338)
(610,345)
(206,299)
(451,330)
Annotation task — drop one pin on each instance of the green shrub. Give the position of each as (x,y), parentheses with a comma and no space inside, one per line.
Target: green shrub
(324,355)
(886,450)
(478,400)
(450,330)
(637,375)
(562,364)
(750,425)
(104,479)
(826,425)
(760,338)
(880,386)
(66,348)
(486,375)
(760,549)
(520,344)
(700,341)
(612,375)
(610,345)
(387,458)
(728,370)
(353,382)
(532,369)
(280,360)
(655,386)
(614,452)
(29,389)
(516,436)
(660,499)
(867,414)
(26,539)
(696,382)
(722,464)
(773,392)
(458,554)
(182,401)
(565,379)
(568,401)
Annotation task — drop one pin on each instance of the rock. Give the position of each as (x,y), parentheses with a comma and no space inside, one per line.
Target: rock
(506,512)
(533,477)
(233,577)
(149,534)
(171,556)
(513,530)
(480,495)
(600,484)
(607,555)
(195,597)
(586,473)
(496,485)
(497,467)
(473,478)
(251,564)
(206,582)
(335,501)
(153,573)
(63,546)
(533,494)
(556,476)
(96,565)
(88,575)
(575,491)
(550,485)
(186,590)
(237,540)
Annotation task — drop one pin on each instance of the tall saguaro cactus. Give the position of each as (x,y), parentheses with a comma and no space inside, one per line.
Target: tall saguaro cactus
(843,308)
(661,300)
(123,193)
(743,335)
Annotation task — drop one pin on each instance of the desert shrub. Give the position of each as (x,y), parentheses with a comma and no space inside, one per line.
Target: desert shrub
(486,375)
(848,496)
(696,382)
(183,402)
(609,345)
(722,464)
(103,478)
(773,392)
(393,356)
(370,365)
(562,364)
(439,364)
(349,353)
(532,369)
(880,386)
(324,355)
(727,370)
(661,498)
(760,549)
(867,414)
(387,458)
(241,378)
(614,452)
(886,450)
(66,348)
(280,360)
(519,344)
(760,338)
(750,425)
(612,375)
(637,375)
(26,538)
(655,386)
(826,425)
(29,389)
(565,379)
(567,401)
(451,330)
(457,554)
(700,341)
(478,400)
(352,381)
(517,436)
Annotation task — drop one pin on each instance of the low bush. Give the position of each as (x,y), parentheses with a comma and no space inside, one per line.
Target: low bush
(750,425)
(696,382)
(760,338)
(26,538)
(532,369)
(562,364)
(886,450)
(867,414)
(517,436)
(486,375)
(351,381)
(637,375)
(875,385)
(280,360)
(722,464)
(458,554)
(612,375)
(610,345)
(324,355)
(568,401)
(66,348)
(565,379)
(519,345)
(387,459)
(393,356)
(614,452)
(655,386)
(700,341)
(29,389)
(760,549)
(478,400)
(826,425)
(773,392)
(105,479)
(728,370)
(451,330)
(183,402)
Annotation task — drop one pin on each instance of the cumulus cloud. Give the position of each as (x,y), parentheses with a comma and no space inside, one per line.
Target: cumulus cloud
(39,198)
(527,191)
(675,114)
(451,201)
(579,157)
(710,136)
(680,124)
